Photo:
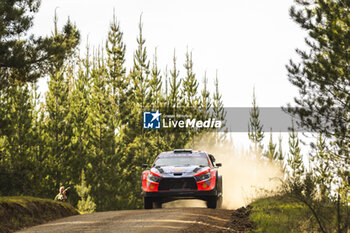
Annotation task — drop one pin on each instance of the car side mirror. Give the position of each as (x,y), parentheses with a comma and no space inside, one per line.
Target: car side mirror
(218,164)
(212,158)
(144,165)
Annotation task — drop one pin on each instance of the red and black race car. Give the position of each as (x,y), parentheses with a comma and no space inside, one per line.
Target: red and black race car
(182,174)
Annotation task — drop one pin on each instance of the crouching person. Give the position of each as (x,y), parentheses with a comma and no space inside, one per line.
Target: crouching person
(62,195)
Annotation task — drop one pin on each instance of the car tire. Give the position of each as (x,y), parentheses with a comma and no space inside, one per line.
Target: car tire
(212,202)
(158,204)
(220,193)
(219,202)
(219,185)
(148,202)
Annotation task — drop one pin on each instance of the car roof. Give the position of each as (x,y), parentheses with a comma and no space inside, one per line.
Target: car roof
(182,153)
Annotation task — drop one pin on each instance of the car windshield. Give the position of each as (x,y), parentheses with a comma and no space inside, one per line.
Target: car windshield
(179,161)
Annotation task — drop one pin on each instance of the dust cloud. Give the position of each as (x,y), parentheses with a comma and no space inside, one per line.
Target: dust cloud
(193,203)
(246,175)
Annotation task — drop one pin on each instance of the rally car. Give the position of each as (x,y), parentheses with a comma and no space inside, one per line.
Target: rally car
(181,174)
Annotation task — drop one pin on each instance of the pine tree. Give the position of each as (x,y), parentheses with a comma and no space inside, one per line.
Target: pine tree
(323,168)
(117,79)
(134,148)
(100,136)
(175,84)
(280,150)
(25,58)
(175,137)
(190,100)
(57,130)
(90,121)
(4,131)
(295,159)
(119,110)
(205,98)
(125,112)
(155,83)
(280,155)
(323,77)
(86,204)
(38,142)
(156,102)
(190,85)
(166,87)
(255,133)
(115,49)
(219,112)
(4,109)
(78,115)
(140,72)
(140,80)
(16,145)
(218,106)
(271,152)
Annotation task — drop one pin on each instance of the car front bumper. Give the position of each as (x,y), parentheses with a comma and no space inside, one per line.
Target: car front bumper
(180,194)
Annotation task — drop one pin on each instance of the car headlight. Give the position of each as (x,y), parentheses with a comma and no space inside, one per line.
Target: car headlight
(153,178)
(204,176)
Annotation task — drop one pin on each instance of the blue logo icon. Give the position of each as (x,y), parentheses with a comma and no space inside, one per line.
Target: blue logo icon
(151,120)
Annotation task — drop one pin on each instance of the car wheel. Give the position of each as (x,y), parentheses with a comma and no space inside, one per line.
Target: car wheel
(212,202)
(158,204)
(219,186)
(148,202)
(219,202)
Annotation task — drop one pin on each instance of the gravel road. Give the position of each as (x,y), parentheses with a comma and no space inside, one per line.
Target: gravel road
(156,220)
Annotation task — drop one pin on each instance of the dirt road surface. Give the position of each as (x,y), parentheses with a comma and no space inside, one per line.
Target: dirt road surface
(156,220)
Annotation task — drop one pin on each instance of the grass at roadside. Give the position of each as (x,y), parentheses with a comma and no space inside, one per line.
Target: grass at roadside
(20,212)
(281,214)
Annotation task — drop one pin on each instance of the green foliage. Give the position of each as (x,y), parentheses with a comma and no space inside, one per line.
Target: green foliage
(26,58)
(314,188)
(218,105)
(175,82)
(323,77)
(271,152)
(101,136)
(255,133)
(322,168)
(86,204)
(205,97)
(215,110)
(140,72)
(328,214)
(280,151)
(17,212)
(91,121)
(219,112)
(57,130)
(115,49)
(16,144)
(281,214)
(190,84)
(154,97)
(295,159)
